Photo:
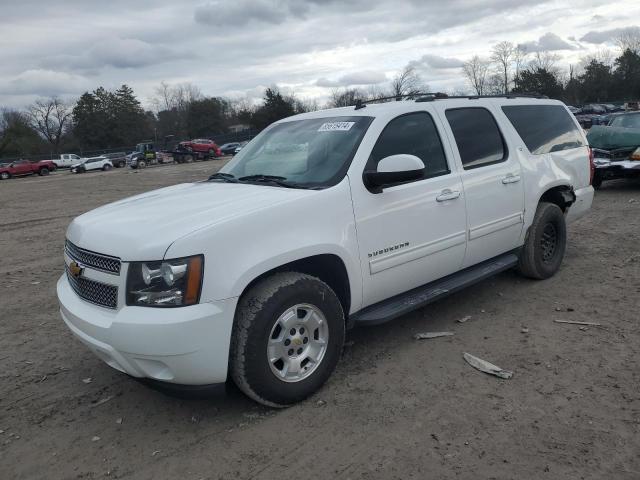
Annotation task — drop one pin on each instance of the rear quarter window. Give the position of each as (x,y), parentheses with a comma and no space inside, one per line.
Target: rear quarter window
(544,128)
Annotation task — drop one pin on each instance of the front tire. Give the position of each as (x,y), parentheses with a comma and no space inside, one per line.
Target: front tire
(106,167)
(545,245)
(43,171)
(287,337)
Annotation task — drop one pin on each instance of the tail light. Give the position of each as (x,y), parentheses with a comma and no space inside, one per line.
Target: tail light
(592,167)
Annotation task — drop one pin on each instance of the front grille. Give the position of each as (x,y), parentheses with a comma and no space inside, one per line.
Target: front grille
(94,292)
(98,261)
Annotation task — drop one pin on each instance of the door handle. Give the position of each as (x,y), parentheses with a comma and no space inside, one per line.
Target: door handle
(447,194)
(511,178)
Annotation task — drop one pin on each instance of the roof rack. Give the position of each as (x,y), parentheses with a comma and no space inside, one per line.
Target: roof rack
(431,96)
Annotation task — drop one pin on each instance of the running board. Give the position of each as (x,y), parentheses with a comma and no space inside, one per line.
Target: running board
(419,297)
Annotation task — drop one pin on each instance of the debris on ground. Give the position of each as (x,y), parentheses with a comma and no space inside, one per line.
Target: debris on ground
(428,335)
(100,402)
(155,452)
(119,421)
(464,319)
(524,330)
(87,380)
(486,367)
(575,322)
(95,439)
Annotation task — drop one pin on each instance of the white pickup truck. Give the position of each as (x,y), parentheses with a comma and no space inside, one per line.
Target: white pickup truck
(67,160)
(326,220)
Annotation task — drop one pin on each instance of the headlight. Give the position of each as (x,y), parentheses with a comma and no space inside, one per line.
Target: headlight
(166,283)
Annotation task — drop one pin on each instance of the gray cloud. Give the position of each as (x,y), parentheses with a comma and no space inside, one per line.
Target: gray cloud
(436,62)
(366,77)
(606,36)
(548,42)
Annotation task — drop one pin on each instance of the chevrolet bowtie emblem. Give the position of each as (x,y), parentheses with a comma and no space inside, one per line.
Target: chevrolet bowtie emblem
(75,269)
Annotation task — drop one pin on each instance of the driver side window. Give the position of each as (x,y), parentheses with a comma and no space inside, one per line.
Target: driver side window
(413,134)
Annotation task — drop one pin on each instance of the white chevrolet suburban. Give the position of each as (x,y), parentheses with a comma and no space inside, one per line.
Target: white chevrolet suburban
(326,220)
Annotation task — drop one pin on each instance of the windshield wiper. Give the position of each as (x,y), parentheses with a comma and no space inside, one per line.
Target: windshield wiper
(280,181)
(225,177)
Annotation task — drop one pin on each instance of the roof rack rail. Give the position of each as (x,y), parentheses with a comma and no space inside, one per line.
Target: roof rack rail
(431,96)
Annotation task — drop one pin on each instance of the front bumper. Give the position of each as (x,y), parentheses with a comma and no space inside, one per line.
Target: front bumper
(185,345)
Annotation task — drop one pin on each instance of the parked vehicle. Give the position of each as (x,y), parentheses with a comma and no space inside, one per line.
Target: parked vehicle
(93,164)
(240,147)
(21,168)
(66,160)
(118,159)
(590,114)
(229,148)
(202,145)
(616,148)
(326,220)
(144,154)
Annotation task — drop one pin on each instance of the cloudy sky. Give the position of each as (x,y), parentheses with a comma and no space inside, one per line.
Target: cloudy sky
(237,47)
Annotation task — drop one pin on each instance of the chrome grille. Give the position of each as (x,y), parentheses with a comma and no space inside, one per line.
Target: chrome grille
(98,261)
(94,292)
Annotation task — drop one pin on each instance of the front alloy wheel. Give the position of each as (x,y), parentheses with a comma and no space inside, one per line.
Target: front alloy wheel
(297,343)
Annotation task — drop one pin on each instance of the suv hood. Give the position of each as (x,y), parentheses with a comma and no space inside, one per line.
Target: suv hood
(144,226)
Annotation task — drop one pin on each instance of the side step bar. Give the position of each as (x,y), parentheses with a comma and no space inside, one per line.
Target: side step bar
(419,297)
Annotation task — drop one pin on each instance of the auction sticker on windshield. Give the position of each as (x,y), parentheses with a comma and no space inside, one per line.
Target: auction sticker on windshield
(336,126)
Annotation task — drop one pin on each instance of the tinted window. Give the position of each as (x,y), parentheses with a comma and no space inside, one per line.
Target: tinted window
(413,134)
(544,128)
(477,135)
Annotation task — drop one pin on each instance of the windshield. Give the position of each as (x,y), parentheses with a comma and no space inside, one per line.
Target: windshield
(311,153)
(626,121)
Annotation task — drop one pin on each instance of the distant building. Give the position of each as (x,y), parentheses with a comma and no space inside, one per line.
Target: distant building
(239,127)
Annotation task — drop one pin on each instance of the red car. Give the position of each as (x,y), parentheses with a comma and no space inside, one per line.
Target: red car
(25,167)
(202,145)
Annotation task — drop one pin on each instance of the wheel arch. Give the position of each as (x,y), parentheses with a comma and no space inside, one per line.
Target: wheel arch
(561,195)
(327,267)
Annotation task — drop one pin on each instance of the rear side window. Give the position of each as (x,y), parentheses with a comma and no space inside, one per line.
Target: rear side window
(544,128)
(477,135)
(413,134)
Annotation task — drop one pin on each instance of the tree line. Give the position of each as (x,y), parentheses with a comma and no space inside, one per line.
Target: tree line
(106,119)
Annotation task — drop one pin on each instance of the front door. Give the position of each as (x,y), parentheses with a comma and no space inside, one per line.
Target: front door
(492,183)
(413,233)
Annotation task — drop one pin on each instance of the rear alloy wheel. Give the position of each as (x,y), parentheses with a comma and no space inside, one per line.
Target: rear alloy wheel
(546,242)
(43,171)
(5,176)
(106,167)
(287,338)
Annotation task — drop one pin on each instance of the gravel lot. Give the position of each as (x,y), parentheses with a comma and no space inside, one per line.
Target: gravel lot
(395,408)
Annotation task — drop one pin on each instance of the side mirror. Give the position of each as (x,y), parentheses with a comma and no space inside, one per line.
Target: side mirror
(394,170)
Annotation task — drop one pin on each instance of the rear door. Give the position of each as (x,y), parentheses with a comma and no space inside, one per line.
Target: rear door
(492,182)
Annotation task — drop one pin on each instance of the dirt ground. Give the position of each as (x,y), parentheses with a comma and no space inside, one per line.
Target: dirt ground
(395,408)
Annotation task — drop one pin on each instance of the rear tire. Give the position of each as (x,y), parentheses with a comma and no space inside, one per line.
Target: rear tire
(106,167)
(545,245)
(121,164)
(43,171)
(5,176)
(271,351)
(142,164)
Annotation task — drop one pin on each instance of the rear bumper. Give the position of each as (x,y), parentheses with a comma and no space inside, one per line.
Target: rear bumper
(185,346)
(582,205)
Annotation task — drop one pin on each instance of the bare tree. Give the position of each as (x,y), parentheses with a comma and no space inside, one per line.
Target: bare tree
(544,60)
(503,55)
(629,39)
(520,55)
(346,97)
(50,118)
(179,96)
(407,82)
(476,69)
(602,55)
